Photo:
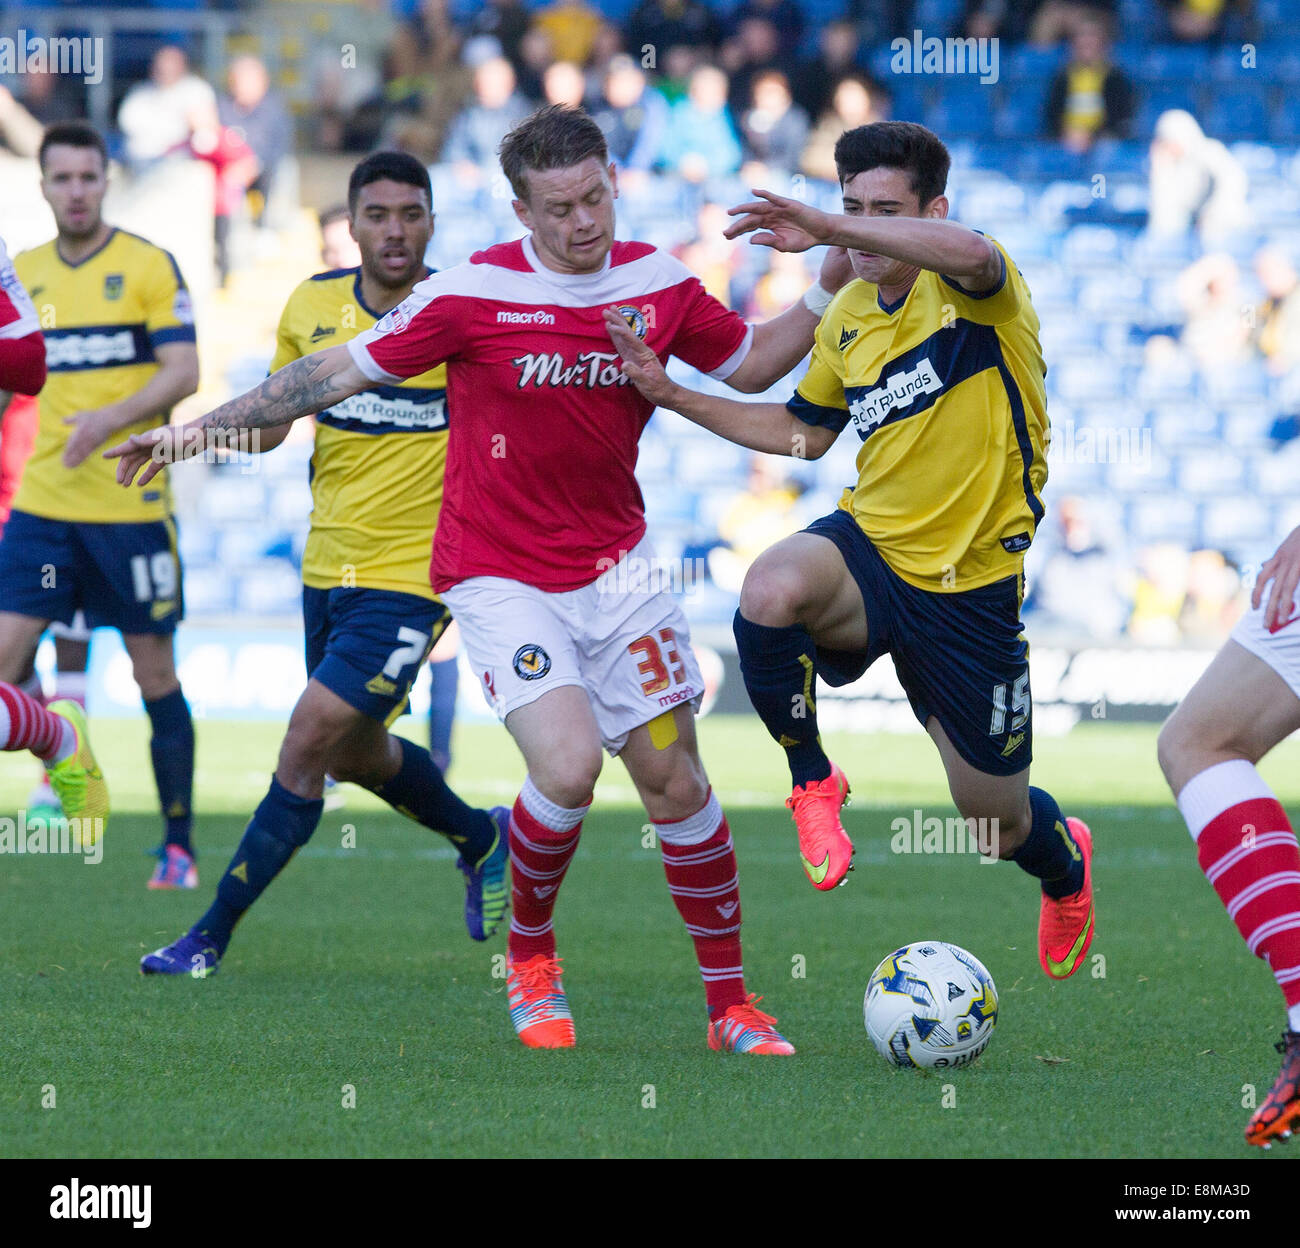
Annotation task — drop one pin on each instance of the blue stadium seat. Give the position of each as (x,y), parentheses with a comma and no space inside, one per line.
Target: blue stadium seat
(1285,124)
(1238,114)
(1209,472)
(1162,518)
(1160,100)
(1020,117)
(1230,523)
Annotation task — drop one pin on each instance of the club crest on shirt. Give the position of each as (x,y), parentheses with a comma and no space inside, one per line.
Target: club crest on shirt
(635,319)
(113,284)
(531,662)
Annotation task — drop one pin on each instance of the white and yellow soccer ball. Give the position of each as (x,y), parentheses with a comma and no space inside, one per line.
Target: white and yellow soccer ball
(930,1004)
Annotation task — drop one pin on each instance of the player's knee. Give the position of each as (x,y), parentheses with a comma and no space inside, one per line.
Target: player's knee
(677,793)
(568,778)
(773,594)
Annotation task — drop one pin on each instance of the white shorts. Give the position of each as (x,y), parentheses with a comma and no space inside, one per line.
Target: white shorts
(621,638)
(1280,650)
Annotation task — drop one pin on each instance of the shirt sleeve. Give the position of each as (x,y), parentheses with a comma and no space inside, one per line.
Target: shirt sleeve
(169,315)
(17,312)
(995,306)
(819,397)
(711,337)
(426,329)
(286,345)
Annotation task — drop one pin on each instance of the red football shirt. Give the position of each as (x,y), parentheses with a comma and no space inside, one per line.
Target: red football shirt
(22,347)
(540,484)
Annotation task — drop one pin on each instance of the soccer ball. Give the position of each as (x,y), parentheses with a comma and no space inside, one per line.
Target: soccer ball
(930,1004)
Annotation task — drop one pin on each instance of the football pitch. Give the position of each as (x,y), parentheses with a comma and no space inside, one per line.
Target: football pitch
(353,1017)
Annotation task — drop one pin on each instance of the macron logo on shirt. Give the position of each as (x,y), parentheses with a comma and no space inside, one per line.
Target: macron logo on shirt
(526,318)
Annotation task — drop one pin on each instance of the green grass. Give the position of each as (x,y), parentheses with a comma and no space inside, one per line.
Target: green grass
(354,970)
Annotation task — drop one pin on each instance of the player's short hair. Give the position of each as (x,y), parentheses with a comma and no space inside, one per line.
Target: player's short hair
(555,137)
(392,167)
(72,134)
(895,145)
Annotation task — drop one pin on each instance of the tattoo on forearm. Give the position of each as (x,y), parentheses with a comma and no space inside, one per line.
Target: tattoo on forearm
(307,385)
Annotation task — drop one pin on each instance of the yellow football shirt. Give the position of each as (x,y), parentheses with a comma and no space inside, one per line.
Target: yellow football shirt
(945,390)
(377,467)
(102,319)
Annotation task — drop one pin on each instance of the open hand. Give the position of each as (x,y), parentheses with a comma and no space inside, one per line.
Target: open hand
(641,365)
(92,428)
(152,450)
(1283,569)
(783,224)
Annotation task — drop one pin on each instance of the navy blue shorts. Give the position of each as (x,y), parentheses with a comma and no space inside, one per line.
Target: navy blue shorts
(960,657)
(123,576)
(367,645)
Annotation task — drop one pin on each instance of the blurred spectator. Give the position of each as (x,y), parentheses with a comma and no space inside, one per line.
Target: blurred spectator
(494,110)
(1159,595)
(879,21)
(564,83)
(1195,21)
(234,168)
(258,116)
(19,130)
(607,45)
(1079,582)
(755,48)
(675,69)
(572,26)
(632,116)
(785,17)
(1053,22)
(700,139)
(338,249)
(781,287)
(711,257)
(1216,332)
(49,97)
(657,25)
(1211,606)
(1277,319)
(1090,98)
(856,101)
(813,81)
(506,21)
(1195,181)
(536,53)
(763,514)
(348,100)
(775,129)
(155,115)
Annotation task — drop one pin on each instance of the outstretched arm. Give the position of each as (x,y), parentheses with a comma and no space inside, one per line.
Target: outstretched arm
(779,344)
(932,243)
(307,385)
(769,427)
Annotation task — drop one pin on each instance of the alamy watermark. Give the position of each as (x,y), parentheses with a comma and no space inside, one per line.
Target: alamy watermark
(77,56)
(634,574)
(923,54)
(954,835)
(1100,444)
(27,835)
(213,446)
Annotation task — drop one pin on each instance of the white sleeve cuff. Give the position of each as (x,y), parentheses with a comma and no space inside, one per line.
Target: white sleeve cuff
(358,349)
(736,358)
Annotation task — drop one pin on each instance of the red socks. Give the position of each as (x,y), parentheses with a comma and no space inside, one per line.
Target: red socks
(26,725)
(700,863)
(543,839)
(1248,852)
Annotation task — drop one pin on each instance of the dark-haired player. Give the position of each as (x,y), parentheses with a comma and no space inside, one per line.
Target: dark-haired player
(932,356)
(369,614)
(540,551)
(119,336)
